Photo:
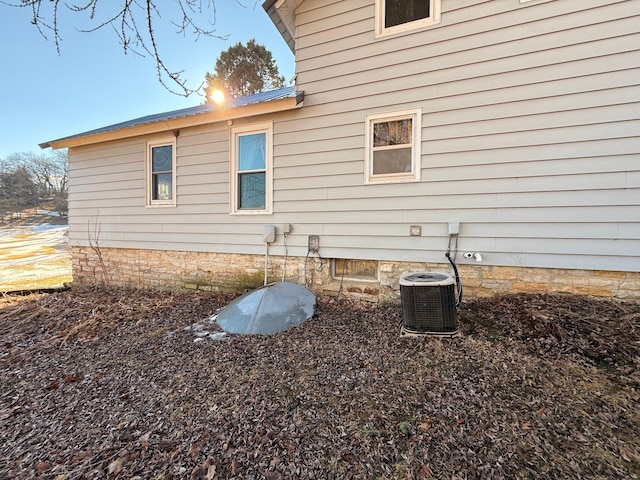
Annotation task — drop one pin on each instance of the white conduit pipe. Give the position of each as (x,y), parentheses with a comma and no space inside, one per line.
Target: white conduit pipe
(266,261)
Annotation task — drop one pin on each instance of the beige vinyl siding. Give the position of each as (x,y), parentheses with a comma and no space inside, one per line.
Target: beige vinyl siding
(530,139)
(107,184)
(530,132)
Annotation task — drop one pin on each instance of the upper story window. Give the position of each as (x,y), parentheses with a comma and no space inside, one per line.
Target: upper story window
(393,147)
(397,16)
(251,171)
(161,173)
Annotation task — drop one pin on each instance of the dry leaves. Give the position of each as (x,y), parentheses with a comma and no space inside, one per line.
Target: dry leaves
(109,384)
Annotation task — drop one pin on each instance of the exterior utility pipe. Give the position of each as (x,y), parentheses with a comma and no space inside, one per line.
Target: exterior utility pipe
(266,261)
(455,268)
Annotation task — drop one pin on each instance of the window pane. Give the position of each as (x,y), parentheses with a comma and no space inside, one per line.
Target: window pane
(398,12)
(162,186)
(356,268)
(161,158)
(397,160)
(251,190)
(395,132)
(252,151)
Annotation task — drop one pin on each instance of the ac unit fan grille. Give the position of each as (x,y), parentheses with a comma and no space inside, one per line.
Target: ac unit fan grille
(429,309)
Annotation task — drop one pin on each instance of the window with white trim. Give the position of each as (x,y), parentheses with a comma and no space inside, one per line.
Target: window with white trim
(251,169)
(161,173)
(393,147)
(398,16)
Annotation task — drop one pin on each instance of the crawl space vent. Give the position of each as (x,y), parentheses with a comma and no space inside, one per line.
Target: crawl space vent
(428,304)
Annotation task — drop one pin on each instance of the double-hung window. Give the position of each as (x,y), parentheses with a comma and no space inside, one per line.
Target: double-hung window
(251,170)
(398,16)
(393,147)
(161,173)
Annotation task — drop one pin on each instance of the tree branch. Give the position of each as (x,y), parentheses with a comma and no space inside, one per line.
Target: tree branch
(131,13)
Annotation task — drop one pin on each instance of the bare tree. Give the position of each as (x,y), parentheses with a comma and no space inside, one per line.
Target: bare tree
(134,23)
(48,172)
(5,211)
(17,191)
(61,182)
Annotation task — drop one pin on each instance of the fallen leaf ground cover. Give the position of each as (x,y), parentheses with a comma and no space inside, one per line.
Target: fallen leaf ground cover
(108,383)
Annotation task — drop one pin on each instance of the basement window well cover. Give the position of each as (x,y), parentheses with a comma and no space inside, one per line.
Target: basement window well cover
(273,308)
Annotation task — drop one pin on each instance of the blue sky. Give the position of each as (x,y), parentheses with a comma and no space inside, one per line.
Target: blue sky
(92,83)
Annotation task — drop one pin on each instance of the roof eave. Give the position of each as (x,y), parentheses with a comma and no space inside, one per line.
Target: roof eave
(284,26)
(172,124)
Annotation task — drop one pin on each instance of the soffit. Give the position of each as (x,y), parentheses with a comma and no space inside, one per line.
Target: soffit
(283,16)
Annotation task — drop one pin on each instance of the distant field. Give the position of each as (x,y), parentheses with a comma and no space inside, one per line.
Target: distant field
(33,253)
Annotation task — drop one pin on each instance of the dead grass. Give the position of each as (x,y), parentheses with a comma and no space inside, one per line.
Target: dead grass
(33,259)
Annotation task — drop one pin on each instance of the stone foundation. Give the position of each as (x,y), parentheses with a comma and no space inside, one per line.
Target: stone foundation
(216,272)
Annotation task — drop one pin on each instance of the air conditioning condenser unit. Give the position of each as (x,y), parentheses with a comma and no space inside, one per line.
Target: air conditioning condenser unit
(428,304)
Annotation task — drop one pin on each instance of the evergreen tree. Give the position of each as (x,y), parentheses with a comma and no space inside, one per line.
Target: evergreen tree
(17,191)
(244,70)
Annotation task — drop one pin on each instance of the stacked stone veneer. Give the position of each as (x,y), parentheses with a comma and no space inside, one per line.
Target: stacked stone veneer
(221,272)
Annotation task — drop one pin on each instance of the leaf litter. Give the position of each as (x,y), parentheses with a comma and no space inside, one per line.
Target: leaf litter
(109,383)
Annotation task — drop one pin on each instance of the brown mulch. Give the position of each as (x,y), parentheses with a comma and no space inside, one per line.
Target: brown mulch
(115,384)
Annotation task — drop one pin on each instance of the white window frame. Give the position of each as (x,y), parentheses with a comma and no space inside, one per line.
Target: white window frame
(416,141)
(382,31)
(151,202)
(235,133)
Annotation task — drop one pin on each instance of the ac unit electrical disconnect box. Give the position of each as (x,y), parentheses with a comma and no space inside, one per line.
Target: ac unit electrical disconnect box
(269,233)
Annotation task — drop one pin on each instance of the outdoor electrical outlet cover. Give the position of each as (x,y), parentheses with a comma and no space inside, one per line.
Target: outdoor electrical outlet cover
(314,243)
(415,230)
(454,228)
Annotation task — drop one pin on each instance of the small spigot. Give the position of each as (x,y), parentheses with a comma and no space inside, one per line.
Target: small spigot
(475,255)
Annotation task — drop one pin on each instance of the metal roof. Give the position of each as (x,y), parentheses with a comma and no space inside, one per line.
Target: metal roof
(263,97)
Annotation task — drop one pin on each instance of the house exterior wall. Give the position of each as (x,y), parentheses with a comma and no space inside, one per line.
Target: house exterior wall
(530,131)
(107,197)
(229,273)
(530,140)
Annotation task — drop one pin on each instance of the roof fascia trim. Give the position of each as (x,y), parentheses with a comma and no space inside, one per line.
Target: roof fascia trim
(271,8)
(172,124)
